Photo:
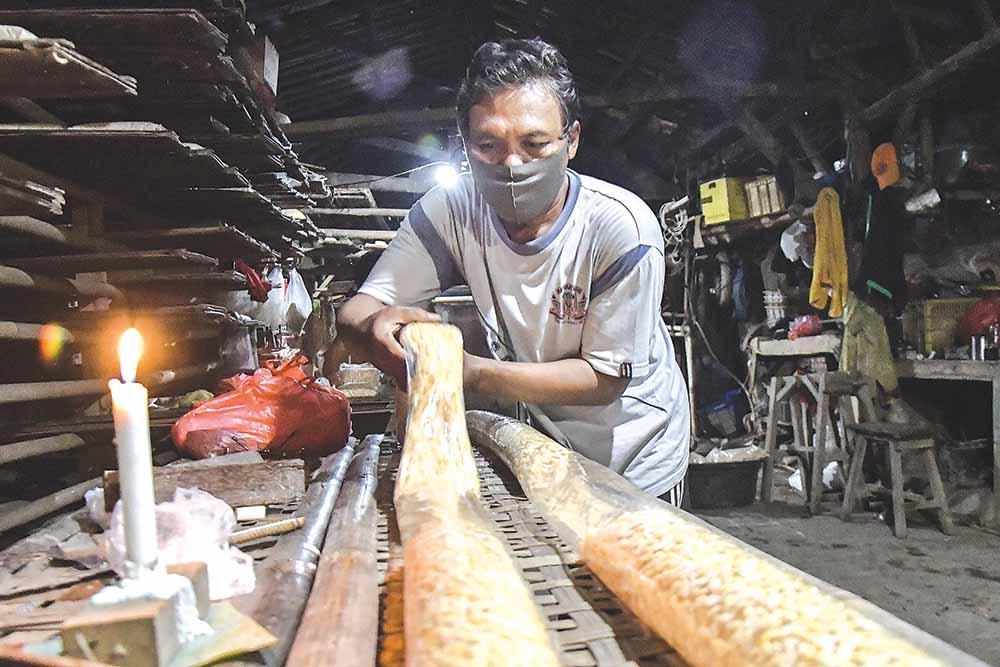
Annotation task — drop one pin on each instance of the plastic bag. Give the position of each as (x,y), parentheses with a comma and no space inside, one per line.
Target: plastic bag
(805,326)
(277,409)
(272,311)
(195,526)
(298,302)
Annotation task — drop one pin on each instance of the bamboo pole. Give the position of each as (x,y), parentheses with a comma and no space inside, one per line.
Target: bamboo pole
(287,575)
(345,593)
(47,505)
(24,392)
(17,451)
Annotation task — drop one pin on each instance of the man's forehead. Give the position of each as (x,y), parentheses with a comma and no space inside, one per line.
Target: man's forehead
(532,107)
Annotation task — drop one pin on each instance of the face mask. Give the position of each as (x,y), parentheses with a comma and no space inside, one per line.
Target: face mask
(521,193)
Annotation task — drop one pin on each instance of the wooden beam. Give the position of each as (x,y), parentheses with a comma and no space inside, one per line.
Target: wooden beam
(387,122)
(360,212)
(17,451)
(47,505)
(711,90)
(921,86)
(408,148)
(810,148)
(239,485)
(29,110)
(378,183)
(361,234)
(757,133)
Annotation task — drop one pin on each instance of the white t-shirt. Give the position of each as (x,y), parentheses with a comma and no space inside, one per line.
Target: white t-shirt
(589,288)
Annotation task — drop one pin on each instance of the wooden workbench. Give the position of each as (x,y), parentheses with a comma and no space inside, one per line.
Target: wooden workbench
(969,371)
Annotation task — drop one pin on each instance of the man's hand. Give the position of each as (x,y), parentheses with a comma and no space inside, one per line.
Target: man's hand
(383,328)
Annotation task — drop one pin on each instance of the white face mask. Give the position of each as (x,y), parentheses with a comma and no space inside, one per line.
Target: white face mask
(521,193)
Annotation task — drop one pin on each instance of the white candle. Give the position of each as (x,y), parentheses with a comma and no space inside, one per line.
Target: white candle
(135,459)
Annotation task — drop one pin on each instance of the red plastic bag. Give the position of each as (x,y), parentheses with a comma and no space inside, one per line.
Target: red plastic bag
(978,318)
(804,326)
(277,410)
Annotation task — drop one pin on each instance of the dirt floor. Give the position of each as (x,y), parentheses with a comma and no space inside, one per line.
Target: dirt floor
(948,586)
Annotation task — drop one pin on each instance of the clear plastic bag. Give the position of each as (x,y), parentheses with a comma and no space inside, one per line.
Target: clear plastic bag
(193,527)
(272,311)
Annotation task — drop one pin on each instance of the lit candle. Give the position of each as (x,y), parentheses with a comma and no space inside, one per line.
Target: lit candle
(135,460)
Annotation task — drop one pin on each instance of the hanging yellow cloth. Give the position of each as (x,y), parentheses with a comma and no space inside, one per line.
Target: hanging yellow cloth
(830,261)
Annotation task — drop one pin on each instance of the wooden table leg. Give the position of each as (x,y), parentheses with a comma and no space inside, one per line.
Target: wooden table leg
(819,448)
(854,477)
(770,443)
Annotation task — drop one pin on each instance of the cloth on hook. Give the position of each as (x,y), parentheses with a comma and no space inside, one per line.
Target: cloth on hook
(830,261)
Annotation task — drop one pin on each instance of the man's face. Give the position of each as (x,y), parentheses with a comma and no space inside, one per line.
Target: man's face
(517,126)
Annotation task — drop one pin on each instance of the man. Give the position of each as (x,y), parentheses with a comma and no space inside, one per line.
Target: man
(566,271)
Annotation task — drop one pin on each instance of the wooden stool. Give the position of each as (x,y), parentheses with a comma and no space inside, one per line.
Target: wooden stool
(830,393)
(900,439)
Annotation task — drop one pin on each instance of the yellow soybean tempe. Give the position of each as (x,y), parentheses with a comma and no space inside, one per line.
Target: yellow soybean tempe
(464,602)
(719,605)
(717,602)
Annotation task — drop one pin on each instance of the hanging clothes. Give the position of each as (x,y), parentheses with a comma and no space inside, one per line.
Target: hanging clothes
(866,344)
(882,264)
(830,261)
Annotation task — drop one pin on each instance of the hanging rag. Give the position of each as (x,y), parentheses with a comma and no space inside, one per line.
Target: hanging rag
(830,260)
(256,285)
(866,344)
(882,265)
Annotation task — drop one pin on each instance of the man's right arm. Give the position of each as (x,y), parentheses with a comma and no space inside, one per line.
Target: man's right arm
(369,328)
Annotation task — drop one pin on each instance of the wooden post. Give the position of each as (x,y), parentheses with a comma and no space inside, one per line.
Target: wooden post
(50,503)
(17,451)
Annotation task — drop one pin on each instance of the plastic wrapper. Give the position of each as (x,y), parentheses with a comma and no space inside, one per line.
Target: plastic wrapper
(194,526)
(739,454)
(716,600)
(278,409)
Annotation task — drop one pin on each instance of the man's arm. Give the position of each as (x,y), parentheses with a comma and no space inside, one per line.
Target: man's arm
(369,329)
(563,382)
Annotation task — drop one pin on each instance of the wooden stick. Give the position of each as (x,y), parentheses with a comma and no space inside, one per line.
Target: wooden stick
(47,505)
(361,234)
(345,594)
(284,581)
(17,451)
(15,656)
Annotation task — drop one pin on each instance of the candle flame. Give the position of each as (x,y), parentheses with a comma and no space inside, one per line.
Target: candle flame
(129,351)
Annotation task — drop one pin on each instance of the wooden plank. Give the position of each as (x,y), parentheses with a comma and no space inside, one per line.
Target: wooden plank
(360,212)
(113,261)
(45,69)
(378,183)
(808,346)
(942,369)
(372,124)
(239,485)
(17,451)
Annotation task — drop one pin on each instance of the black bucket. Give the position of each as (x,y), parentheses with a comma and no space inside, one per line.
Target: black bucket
(717,485)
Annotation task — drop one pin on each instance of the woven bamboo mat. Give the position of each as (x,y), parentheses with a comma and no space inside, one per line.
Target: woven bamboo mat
(589,625)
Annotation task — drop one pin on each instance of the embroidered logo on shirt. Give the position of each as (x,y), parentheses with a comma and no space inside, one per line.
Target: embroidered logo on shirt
(569,304)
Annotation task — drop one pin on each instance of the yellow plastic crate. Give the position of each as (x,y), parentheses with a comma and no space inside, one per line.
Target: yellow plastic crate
(932,324)
(763,196)
(724,200)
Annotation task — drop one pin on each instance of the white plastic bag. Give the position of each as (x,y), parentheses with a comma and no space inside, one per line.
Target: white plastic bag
(272,311)
(298,303)
(194,527)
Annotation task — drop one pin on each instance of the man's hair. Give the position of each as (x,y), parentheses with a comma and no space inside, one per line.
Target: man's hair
(497,66)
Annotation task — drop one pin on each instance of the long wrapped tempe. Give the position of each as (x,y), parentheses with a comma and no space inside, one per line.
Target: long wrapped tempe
(716,600)
(464,602)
